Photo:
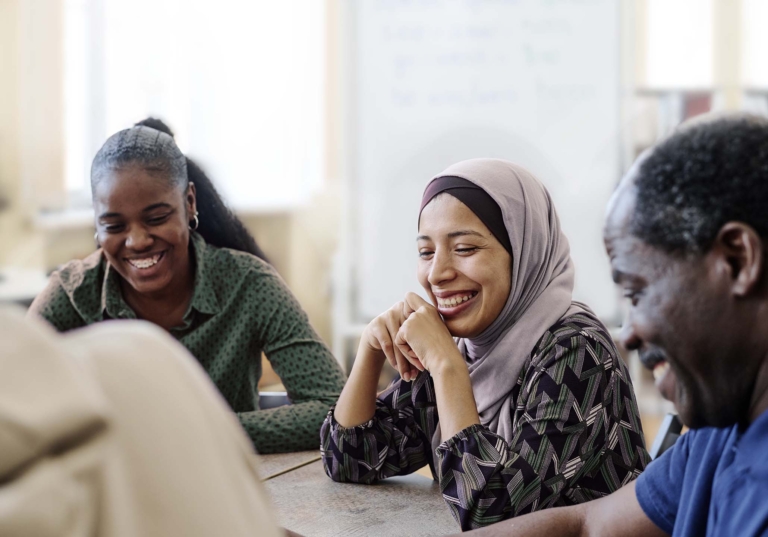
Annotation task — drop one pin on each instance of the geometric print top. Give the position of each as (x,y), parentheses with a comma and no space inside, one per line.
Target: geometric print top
(240,308)
(577,434)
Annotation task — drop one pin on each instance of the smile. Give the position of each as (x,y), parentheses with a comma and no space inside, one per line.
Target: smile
(660,371)
(146,262)
(455,300)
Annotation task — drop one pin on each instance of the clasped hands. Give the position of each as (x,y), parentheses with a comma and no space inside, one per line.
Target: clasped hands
(413,337)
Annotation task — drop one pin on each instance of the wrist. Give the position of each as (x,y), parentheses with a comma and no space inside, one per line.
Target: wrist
(369,358)
(447,362)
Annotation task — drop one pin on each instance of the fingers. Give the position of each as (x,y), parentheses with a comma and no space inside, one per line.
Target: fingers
(383,340)
(401,363)
(413,360)
(407,309)
(384,330)
(414,302)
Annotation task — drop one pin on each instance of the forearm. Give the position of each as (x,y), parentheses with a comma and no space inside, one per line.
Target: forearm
(357,402)
(455,401)
(561,521)
(618,514)
(286,428)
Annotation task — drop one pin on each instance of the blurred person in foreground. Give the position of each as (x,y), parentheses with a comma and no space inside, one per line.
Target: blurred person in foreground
(530,406)
(114,430)
(172,253)
(687,235)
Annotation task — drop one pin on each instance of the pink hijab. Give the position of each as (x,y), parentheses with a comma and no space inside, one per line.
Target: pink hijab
(540,294)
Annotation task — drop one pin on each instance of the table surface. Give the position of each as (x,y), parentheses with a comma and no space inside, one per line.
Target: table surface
(271,466)
(310,504)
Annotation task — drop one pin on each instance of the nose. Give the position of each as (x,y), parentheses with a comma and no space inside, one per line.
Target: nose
(442,268)
(139,239)
(628,336)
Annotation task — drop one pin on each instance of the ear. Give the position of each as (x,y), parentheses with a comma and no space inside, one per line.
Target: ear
(191,199)
(741,250)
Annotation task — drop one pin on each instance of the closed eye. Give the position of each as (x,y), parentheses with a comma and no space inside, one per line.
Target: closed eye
(632,295)
(467,250)
(157,220)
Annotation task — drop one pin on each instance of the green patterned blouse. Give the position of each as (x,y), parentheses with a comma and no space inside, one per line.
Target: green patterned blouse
(240,308)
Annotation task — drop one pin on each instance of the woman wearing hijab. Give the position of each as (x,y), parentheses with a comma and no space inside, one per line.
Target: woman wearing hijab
(513,394)
(172,253)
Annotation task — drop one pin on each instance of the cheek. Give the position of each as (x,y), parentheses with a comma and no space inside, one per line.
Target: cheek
(110,245)
(497,279)
(175,233)
(422,273)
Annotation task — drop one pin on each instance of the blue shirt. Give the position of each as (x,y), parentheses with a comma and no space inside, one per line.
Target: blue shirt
(711,482)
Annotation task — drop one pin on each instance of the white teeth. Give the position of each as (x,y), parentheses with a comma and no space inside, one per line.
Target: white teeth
(660,371)
(453,301)
(145,263)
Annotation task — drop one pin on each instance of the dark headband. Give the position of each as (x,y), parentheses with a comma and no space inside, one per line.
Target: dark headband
(474,197)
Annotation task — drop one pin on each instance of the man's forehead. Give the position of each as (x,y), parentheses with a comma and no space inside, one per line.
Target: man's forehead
(620,209)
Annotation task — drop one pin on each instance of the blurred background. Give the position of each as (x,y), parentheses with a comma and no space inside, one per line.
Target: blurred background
(322,120)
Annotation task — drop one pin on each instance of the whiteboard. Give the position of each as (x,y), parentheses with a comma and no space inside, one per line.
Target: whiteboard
(434,82)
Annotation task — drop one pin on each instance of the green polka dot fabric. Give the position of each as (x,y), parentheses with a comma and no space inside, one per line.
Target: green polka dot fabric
(240,308)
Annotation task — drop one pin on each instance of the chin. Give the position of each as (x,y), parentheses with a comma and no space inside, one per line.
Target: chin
(149,287)
(462,331)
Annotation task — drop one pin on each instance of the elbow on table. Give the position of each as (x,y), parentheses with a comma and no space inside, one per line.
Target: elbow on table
(338,475)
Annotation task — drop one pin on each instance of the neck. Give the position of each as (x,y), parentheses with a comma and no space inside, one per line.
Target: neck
(167,306)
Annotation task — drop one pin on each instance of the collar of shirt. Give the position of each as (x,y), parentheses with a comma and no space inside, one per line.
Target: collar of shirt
(753,443)
(204,299)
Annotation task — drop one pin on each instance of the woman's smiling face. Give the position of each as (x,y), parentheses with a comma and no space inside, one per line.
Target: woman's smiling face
(464,269)
(142,223)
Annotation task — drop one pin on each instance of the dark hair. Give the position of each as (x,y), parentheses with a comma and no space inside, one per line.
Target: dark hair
(698,179)
(150,144)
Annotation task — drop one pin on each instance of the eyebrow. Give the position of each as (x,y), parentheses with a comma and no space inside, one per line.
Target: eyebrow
(454,234)
(147,209)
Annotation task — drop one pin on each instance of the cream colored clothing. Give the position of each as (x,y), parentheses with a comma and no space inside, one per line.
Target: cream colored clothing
(115,430)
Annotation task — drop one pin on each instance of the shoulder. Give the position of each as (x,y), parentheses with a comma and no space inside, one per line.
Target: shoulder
(79,273)
(581,331)
(228,263)
(241,278)
(73,294)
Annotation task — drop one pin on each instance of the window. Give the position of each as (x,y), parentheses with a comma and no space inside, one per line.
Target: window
(680,44)
(755,44)
(241,84)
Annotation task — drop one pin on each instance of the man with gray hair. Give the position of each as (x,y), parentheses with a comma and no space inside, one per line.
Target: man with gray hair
(687,235)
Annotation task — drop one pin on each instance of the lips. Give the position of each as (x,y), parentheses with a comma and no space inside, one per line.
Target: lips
(452,303)
(664,377)
(148,265)
(651,357)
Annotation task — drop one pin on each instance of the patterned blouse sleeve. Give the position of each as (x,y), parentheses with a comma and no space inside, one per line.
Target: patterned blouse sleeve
(396,441)
(577,437)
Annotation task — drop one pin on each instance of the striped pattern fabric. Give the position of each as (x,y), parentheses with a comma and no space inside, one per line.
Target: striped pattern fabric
(578,435)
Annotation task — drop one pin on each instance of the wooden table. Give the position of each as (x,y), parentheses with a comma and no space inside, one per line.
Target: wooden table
(271,466)
(309,503)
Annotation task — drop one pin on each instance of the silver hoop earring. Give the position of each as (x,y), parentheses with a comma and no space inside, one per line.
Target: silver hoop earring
(197,222)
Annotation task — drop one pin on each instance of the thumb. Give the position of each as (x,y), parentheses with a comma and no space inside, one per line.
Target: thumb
(414,302)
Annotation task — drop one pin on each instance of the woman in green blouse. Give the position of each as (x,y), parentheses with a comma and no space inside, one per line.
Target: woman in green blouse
(173,254)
